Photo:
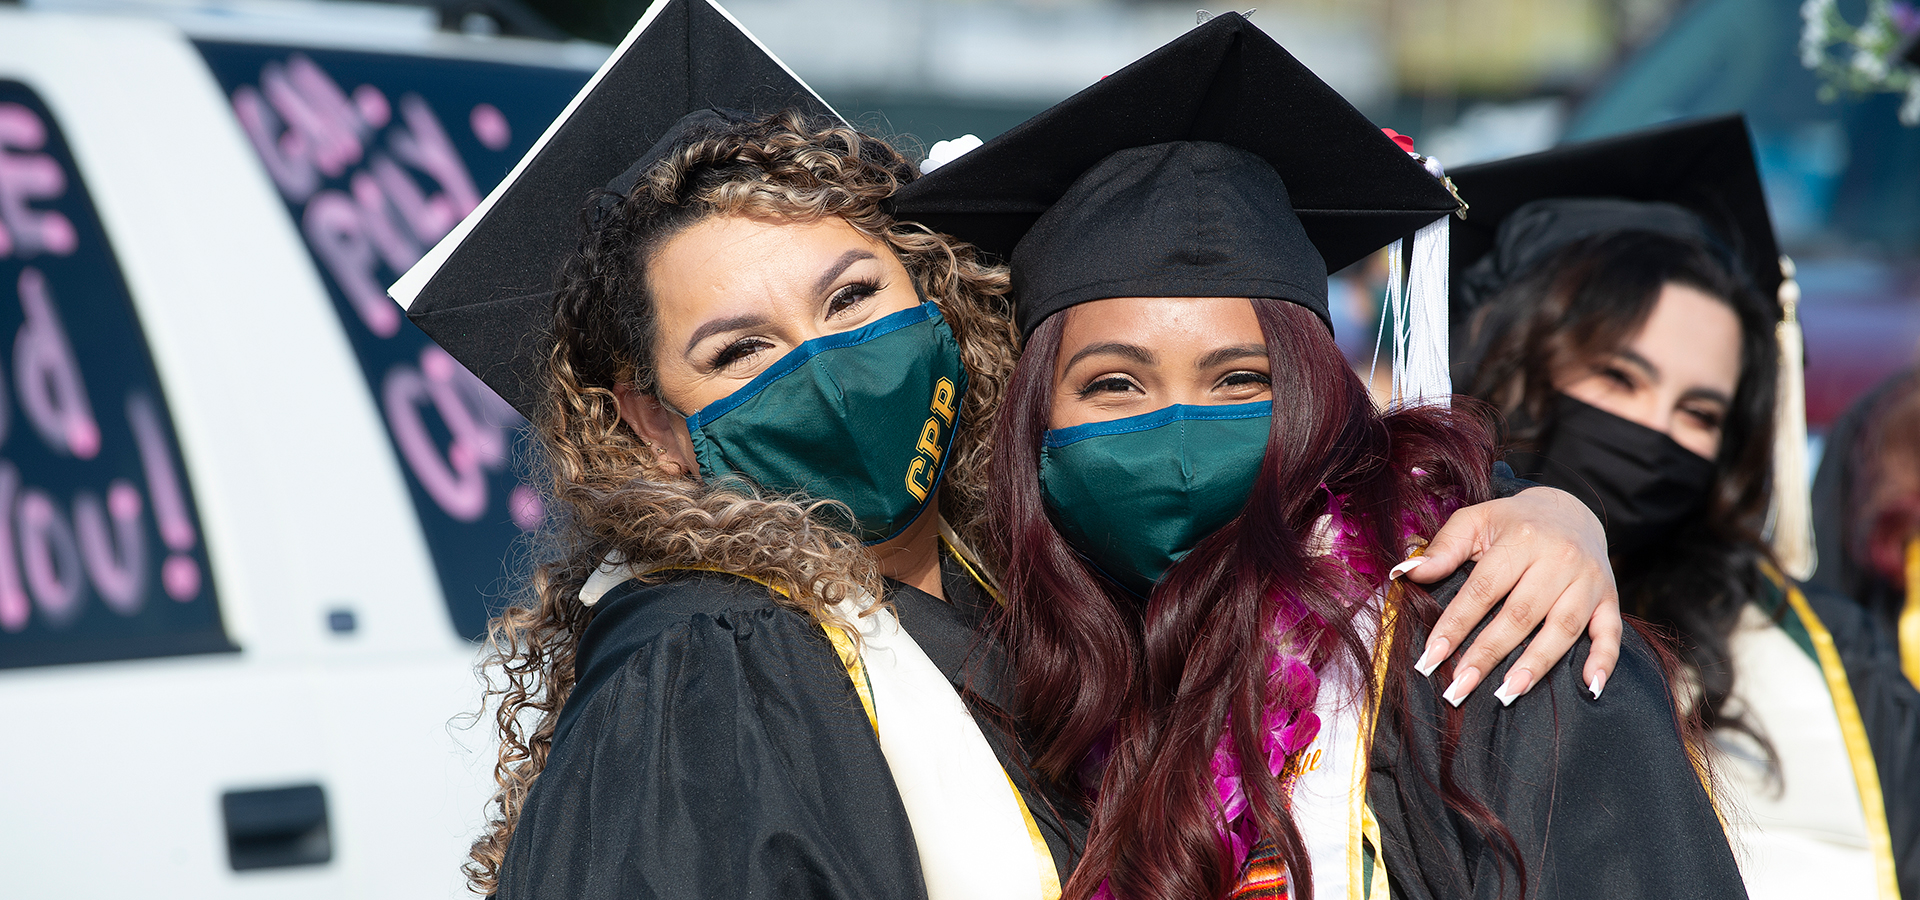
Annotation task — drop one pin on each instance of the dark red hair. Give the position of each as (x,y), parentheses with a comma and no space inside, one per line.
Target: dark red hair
(1165,678)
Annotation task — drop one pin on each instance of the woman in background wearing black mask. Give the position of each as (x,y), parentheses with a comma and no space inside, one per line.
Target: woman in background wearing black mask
(1635,356)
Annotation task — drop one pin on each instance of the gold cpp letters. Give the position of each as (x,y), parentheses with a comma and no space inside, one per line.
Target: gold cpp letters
(930,440)
(926,459)
(921,469)
(943,399)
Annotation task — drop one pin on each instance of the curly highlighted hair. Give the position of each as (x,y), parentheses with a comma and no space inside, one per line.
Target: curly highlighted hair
(613,495)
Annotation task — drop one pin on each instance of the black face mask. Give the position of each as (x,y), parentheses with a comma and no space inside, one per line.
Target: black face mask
(1640,482)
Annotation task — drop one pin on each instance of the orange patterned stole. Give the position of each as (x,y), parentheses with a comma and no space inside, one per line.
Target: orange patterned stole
(1265,876)
(1266,873)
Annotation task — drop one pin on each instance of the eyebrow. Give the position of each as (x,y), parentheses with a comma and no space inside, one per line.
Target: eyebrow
(1133,352)
(1230,354)
(1639,362)
(840,265)
(1653,372)
(731,323)
(756,320)
(1708,394)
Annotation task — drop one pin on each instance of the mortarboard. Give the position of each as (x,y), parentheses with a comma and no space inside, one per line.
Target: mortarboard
(1210,167)
(1693,179)
(484,292)
(1698,180)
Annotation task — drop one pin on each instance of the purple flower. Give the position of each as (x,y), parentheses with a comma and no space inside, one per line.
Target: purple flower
(1905,16)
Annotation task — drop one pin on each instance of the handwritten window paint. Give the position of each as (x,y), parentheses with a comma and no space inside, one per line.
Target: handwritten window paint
(101,555)
(379,156)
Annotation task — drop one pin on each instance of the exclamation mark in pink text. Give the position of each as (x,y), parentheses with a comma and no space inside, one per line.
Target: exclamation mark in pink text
(13,599)
(179,575)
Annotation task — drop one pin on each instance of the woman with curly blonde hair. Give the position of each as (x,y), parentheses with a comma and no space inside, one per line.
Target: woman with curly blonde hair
(770,469)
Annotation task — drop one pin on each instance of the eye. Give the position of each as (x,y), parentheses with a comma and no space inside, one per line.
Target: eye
(1618,377)
(851,296)
(737,351)
(1245,378)
(1109,384)
(1708,418)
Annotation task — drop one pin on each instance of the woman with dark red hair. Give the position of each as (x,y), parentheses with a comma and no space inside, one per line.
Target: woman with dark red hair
(1203,517)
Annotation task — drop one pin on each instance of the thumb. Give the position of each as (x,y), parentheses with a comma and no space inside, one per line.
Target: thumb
(1458,541)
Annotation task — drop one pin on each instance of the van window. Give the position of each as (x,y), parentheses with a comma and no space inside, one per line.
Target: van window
(378,156)
(101,552)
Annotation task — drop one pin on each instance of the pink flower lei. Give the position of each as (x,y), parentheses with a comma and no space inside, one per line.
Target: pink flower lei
(1289,724)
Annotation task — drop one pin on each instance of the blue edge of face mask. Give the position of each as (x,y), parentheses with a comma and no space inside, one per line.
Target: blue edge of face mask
(799,356)
(1166,415)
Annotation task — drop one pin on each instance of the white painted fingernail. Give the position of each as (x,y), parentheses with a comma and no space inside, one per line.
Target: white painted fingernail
(1598,684)
(1462,686)
(1430,659)
(1405,567)
(1516,684)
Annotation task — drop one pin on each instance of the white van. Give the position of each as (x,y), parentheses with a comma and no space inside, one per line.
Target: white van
(251,520)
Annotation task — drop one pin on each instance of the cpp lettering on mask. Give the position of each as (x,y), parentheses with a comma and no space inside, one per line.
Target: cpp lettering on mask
(925,467)
(101,554)
(377,158)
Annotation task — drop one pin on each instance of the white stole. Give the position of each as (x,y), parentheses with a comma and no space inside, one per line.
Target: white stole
(967,820)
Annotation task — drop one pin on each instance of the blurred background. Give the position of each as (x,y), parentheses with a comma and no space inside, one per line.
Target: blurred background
(253,523)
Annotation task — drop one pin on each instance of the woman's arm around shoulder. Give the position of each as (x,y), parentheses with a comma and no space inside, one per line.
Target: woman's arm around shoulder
(715,747)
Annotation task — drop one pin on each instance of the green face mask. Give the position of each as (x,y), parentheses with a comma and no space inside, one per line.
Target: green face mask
(865,417)
(1135,495)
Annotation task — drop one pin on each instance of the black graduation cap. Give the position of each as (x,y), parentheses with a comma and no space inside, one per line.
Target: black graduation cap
(1691,179)
(1224,82)
(484,292)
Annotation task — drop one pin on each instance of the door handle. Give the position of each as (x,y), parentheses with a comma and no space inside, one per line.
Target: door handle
(277,827)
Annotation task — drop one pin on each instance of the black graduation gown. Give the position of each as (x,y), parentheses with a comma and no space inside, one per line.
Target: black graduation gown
(1862,611)
(1889,709)
(1600,796)
(713,746)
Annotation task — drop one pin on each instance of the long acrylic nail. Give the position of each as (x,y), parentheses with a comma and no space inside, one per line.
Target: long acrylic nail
(1517,683)
(1463,684)
(1431,657)
(1598,684)
(1405,567)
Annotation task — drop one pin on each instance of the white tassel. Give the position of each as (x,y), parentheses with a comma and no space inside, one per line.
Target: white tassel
(1790,513)
(1421,368)
(1392,306)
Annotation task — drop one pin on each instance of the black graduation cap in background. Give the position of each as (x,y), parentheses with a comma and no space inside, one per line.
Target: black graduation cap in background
(1705,167)
(1673,179)
(1226,82)
(484,292)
